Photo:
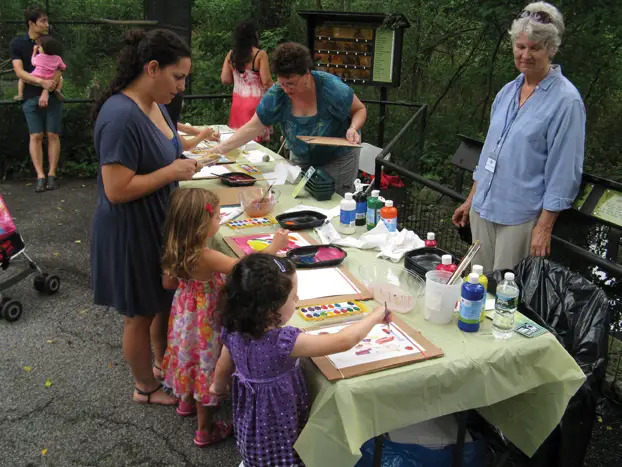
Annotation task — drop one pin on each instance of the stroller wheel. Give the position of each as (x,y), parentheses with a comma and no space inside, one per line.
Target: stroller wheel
(11,310)
(39,282)
(51,284)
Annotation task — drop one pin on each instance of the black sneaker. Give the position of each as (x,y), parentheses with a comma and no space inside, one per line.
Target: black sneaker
(40,186)
(51,185)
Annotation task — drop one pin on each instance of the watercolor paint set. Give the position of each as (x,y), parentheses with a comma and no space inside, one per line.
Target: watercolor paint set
(315,313)
(251,222)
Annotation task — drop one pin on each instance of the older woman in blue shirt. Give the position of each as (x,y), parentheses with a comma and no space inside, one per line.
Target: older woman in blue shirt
(532,160)
(308,103)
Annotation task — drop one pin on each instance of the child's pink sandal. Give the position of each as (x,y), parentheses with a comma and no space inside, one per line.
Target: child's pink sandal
(220,432)
(185,409)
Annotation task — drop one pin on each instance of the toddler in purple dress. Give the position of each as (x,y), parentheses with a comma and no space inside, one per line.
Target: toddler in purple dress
(269,394)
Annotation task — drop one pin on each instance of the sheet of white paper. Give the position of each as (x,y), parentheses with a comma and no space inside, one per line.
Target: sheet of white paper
(324,282)
(370,349)
(228,213)
(256,156)
(211,170)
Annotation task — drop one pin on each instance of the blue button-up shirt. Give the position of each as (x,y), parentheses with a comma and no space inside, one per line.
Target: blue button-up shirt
(536,150)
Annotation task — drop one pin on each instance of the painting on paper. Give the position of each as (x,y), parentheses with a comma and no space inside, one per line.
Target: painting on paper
(382,342)
(258,242)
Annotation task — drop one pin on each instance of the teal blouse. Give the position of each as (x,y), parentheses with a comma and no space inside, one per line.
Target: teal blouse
(334,100)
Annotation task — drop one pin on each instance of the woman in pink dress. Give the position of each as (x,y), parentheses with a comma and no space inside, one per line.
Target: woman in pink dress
(246,67)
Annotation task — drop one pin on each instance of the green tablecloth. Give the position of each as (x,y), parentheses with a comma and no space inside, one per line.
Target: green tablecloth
(521,385)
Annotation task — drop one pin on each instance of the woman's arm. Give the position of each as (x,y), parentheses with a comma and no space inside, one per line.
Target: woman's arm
(358,114)
(264,70)
(226,75)
(222,373)
(191,143)
(188,129)
(251,130)
(122,184)
(326,344)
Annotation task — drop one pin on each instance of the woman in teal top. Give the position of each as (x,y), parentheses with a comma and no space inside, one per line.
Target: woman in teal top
(309,103)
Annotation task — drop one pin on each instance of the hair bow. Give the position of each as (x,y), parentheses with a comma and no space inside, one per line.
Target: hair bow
(209,208)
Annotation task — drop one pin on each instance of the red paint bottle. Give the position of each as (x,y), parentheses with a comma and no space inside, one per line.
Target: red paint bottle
(431,240)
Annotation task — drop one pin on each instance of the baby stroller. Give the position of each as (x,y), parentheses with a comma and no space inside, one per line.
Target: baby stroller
(11,248)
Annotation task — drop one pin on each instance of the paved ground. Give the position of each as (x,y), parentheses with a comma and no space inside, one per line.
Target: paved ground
(85,418)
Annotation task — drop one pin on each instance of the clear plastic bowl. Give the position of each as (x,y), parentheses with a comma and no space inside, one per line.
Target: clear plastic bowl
(250,197)
(393,284)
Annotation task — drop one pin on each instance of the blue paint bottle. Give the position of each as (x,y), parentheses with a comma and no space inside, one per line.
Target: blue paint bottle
(471,304)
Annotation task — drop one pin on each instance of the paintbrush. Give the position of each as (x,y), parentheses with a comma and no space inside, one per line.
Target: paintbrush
(266,193)
(465,262)
(386,317)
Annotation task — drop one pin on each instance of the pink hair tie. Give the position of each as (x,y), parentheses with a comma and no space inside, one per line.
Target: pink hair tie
(209,208)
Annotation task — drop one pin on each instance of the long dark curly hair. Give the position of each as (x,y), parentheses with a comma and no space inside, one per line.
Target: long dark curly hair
(255,291)
(244,39)
(140,48)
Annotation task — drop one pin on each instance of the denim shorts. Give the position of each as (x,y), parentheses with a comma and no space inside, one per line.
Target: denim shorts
(41,120)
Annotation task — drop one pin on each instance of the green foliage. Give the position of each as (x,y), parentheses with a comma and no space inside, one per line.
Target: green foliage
(456,57)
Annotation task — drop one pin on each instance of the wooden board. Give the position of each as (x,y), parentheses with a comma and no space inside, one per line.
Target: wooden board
(229,196)
(364,294)
(328,141)
(332,373)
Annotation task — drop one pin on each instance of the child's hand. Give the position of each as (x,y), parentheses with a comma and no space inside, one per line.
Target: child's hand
(281,239)
(378,316)
(43,100)
(218,390)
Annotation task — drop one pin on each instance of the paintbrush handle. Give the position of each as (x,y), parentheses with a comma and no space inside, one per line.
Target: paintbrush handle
(465,262)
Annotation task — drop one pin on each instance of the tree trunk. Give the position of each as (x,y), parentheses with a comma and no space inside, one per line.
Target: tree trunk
(318,5)
(272,14)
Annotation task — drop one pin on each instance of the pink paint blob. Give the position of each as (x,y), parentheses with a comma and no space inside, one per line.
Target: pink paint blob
(362,352)
(384,340)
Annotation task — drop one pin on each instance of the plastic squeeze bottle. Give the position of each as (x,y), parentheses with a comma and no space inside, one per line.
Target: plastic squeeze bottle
(347,215)
(431,240)
(471,304)
(372,208)
(361,208)
(479,270)
(447,264)
(388,215)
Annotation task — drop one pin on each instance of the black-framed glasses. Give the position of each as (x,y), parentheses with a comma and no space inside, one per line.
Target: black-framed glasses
(539,16)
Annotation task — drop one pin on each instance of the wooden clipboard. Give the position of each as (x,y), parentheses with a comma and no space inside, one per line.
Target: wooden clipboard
(332,373)
(229,196)
(364,293)
(327,141)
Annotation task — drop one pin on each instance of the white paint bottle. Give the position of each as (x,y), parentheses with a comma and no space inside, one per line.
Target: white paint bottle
(347,215)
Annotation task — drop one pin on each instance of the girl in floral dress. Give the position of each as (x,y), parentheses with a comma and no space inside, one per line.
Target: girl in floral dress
(270,400)
(197,272)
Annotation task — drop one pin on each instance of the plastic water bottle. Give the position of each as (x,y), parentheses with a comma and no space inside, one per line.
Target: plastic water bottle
(471,304)
(347,215)
(505,307)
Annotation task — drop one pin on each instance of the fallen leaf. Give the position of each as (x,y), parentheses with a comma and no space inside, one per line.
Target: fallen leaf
(27,369)
(56,253)
(44,451)
(608,428)
(600,419)
(83,312)
(78,241)
(111,365)
(83,186)
(59,208)
(28,184)
(62,200)
(51,341)
(48,383)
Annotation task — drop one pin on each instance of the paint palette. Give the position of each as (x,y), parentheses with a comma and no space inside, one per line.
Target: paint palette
(249,169)
(314,313)
(251,222)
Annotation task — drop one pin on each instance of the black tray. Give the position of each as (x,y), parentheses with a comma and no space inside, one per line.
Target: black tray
(425,259)
(323,196)
(300,220)
(237,179)
(305,256)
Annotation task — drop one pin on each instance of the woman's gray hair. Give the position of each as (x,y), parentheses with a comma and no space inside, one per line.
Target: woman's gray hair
(547,34)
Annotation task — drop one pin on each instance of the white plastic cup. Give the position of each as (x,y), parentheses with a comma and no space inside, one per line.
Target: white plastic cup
(440,298)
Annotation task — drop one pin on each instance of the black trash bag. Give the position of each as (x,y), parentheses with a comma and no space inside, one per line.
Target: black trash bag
(577,313)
